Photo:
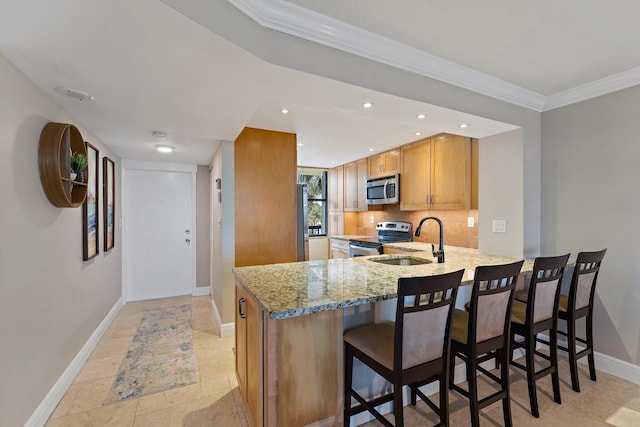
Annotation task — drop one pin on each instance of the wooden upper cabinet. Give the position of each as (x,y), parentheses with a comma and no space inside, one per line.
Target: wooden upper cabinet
(355,186)
(436,174)
(415,176)
(384,164)
(450,172)
(335,193)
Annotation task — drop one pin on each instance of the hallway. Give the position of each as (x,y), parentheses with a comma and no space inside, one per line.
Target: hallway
(212,400)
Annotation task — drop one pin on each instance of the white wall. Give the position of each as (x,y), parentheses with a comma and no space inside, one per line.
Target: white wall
(50,300)
(222,233)
(591,200)
(500,194)
(203,204)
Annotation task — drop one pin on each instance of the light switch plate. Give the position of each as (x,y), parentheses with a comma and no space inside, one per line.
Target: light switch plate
(499,226)
(372,219)
(471,222)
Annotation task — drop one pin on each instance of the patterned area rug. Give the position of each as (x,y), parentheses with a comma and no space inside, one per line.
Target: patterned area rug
(160,357)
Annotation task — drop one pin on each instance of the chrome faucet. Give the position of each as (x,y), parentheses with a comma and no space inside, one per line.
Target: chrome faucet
(440,252)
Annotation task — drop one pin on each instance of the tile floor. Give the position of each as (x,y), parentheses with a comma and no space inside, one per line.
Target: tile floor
(215,400)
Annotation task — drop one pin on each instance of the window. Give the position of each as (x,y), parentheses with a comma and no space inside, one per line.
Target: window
(316,180)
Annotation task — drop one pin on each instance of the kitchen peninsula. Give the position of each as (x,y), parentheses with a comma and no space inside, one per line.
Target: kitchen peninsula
(290,320)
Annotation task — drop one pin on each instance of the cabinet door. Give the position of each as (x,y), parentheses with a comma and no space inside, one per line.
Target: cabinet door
(392,162)
(415,176)
(351,187)
(249,353)
(335,194)
(361,201)
(376,165)
(450,172)
(241,340)
(355,186)
(336,224)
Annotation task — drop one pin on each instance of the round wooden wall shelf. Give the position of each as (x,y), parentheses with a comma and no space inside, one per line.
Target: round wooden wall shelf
(57,142)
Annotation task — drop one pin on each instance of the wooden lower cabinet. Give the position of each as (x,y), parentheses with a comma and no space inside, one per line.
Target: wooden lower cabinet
(248,348)
(290,373)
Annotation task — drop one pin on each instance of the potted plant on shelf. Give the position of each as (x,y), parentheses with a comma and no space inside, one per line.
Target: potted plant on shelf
(78,163)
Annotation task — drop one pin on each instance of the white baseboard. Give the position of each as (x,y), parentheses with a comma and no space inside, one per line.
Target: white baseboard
(51,400)
(201,291)
(226,329)
(607,364)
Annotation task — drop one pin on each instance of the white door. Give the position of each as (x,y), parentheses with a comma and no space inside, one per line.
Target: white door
(158,234)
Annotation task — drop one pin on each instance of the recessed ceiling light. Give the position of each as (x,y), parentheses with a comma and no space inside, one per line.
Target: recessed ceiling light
(74,93)
(463,125)
(418,133)
(367,105)
(300,145)
(284,111)
(370,149)
(164,148)
(333,163)
(159,134)
(421,116)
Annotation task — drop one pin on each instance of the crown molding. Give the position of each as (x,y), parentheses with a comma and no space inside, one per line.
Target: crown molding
(297,21)
(289,18)
(599,87)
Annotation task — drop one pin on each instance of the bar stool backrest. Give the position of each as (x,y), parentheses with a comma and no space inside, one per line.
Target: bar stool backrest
(423,318)
(491,299)
(583,282)
(544,287)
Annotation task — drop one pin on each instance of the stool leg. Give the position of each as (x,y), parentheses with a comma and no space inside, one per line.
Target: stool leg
(444,399)
(397,404)
(504,376)
(473,390)
(573,360)
(348,373)
(530,347)
(553,353)
(590,356)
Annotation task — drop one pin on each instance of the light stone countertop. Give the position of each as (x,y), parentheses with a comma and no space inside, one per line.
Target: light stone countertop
(298,288)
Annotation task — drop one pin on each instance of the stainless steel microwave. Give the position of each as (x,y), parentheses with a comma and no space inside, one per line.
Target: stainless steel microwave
(382,191)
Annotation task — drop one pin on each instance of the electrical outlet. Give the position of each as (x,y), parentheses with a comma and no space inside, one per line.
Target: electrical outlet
(372,219)
(499,226)
(470,222)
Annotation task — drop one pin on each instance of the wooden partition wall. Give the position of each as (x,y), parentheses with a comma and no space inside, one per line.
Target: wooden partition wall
(265,197)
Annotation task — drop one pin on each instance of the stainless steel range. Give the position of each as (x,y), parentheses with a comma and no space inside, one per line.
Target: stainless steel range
(390,231)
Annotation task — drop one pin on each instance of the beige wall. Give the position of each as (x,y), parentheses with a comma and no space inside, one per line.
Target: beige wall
(500,194)
(50,300)
(222,232)
(591,200)
(203,204)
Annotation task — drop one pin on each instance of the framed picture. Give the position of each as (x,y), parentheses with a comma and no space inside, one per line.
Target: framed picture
(90,246)
(108,205)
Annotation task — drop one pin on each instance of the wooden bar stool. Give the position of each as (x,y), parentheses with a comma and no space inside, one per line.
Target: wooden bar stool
(412,351)
(483,334)
(579,303)
(539,314)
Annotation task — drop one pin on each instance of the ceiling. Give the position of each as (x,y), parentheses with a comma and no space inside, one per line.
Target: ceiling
(150,67)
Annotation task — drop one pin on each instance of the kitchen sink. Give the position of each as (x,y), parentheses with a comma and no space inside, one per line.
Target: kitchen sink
(401,260)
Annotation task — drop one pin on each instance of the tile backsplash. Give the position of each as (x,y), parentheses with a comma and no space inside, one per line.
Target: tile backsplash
(456,231)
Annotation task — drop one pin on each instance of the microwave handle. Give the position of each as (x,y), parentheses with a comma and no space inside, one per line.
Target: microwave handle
(386,184)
